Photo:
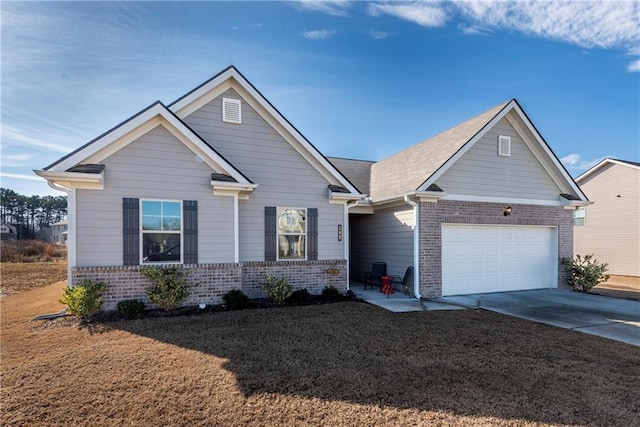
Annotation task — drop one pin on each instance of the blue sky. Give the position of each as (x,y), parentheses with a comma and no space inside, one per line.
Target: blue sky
(358,79)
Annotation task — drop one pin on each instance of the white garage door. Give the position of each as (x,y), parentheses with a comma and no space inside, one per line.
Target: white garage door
(485,258)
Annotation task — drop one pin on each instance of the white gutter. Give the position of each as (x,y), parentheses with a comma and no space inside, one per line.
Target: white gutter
(416,247)
(435,195)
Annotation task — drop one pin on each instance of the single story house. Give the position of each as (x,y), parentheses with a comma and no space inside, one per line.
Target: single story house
(610,228)
(221,182)
(7,232)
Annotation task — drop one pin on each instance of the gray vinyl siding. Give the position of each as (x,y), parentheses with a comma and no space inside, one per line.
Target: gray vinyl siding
(612,224)
(482,172)
(385,236)
(284,177)
(155,166)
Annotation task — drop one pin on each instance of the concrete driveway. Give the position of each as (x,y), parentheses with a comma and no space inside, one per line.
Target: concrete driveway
(612,318)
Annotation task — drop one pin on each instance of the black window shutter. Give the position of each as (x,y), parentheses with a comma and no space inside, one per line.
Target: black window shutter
(190,221)
(312,233)
(270,233)
(130,231)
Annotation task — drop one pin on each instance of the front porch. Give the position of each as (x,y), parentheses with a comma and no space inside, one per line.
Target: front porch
(398,301)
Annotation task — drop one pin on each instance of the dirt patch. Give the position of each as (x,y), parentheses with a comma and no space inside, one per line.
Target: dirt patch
(626,287)
(337,364)
(18,277)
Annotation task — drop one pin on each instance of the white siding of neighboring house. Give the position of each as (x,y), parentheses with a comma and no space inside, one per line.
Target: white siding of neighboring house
(385,236)
(284,177)
(482,172)
(612,224)
(155,166)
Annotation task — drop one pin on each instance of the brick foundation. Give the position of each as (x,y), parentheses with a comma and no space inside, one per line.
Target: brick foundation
(215,280)
(433,215)
(312,275)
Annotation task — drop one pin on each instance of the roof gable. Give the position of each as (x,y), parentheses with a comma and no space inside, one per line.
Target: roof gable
(231,78)
(602,166)
(415,169)
(406,171)
(128,131)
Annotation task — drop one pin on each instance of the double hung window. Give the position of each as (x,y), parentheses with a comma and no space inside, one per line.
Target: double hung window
(161,231)
(292,234)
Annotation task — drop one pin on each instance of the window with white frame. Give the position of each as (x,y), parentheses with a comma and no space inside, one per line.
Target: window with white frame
(161,231)
(292,233)
(579,216)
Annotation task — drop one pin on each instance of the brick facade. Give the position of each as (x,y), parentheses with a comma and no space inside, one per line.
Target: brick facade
(433,215)
(312,275)
(215,280)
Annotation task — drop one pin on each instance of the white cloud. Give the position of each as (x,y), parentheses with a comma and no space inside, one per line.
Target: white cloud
(634,66)
(380,35)
(574,162)
(606,24)
(424,14)
(12,136)
(20,176)
(318,34)
(16,157)
(331,7)
(473,30)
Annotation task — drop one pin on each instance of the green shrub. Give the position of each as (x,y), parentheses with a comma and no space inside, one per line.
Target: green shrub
(299,297)
(585,272)
(169,286)
(331,293)
(84,300)
(130,308)
(277,289)
(236,299)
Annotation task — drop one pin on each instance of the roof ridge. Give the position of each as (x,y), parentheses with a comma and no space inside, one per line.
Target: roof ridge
(497,107)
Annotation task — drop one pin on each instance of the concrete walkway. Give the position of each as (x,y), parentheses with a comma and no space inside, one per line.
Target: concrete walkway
(612,318)
(398,302)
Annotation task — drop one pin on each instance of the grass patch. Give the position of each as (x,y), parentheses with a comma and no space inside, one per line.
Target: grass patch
(17,277)
(338,364)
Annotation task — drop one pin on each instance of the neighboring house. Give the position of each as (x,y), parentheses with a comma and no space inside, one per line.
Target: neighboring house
(7,232)
(220,181)
(45,234)
(59,232)
(610,228)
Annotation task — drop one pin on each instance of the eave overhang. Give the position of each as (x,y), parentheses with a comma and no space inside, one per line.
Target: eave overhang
(68,180)
(227,188)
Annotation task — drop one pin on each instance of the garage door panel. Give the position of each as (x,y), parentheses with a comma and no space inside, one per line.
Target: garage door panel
(485,258)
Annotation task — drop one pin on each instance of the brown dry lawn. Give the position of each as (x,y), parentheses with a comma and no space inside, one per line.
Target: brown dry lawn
(342,364)
(627,287)
(21,276)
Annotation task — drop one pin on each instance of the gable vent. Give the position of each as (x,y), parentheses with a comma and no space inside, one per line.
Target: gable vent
(231,111)
(504,145)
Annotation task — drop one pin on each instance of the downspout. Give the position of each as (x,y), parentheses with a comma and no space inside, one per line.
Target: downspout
(71,227)
(236,230)
(346,238)
(416,247)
